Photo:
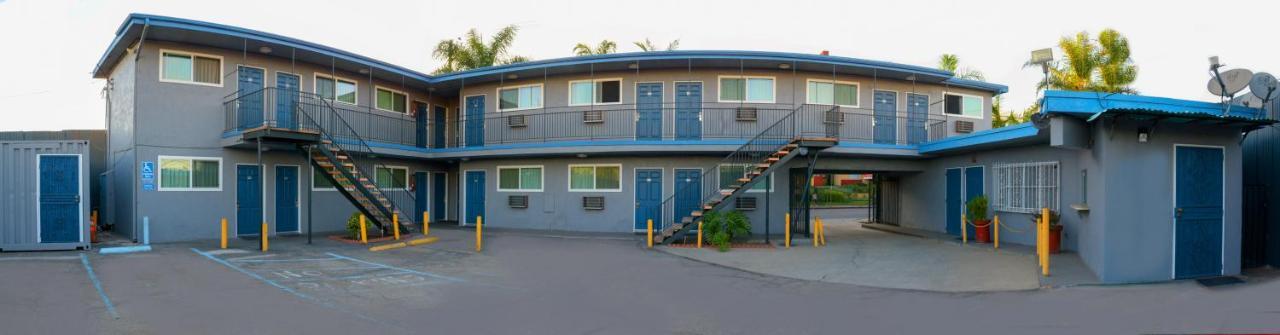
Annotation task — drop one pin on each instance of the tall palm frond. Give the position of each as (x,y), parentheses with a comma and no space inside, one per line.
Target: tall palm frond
(951,63)
(605,47)
(648,45)
(471,51)
(1116,71)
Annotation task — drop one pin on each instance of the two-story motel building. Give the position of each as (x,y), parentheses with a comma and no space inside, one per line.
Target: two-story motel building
(257,127)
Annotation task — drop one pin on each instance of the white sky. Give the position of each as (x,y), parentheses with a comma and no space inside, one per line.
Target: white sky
(49,46)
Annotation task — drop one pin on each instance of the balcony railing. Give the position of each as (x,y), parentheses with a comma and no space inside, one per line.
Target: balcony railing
(665,122)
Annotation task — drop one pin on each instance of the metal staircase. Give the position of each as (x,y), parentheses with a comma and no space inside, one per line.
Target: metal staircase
(338,153)
(741,170)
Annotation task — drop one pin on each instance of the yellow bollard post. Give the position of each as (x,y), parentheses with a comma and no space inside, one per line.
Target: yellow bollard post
(364,233)
(1044,231)
(995,231)
(649,223)
(224,233)
(699,234)
(964,228)
(395,225)
(786,230)
(426,223)
(823,228)
(479,239)
(813,231)
(264,237)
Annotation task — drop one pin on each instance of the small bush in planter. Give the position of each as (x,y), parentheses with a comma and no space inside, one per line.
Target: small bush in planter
(353,226)
(1055,230)
(976,212)
(720,229)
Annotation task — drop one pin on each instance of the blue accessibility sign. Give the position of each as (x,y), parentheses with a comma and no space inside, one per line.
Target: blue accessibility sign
(148,176)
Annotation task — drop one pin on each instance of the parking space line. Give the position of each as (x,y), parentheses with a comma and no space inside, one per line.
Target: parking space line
(111,309)
(284,260)
(428,274)
(38,258)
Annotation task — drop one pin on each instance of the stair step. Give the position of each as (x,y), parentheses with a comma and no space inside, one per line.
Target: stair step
(781,153)
(696,214)
(763,165)
(744,180)
(772,159)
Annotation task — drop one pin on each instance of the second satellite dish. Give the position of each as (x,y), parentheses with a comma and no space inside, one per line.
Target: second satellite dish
(1234,81)
(1264,86)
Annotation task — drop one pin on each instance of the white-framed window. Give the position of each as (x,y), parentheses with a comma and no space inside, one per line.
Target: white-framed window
(595,178)
(391,177)
(1025,187)
(337,88)
(190,68)
(746,89)
(829,92)
(962,105)
(595,92)
(179,173)
(730,173)
(391,100)
(515,98)
(520,178)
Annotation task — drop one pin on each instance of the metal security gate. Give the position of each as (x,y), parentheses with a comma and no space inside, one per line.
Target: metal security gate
(888,200)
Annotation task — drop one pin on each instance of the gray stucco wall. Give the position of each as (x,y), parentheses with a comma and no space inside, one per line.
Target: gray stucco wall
(121,160)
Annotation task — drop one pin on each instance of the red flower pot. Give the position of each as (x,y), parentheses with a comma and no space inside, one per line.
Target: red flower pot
(982,231)
(1055,239)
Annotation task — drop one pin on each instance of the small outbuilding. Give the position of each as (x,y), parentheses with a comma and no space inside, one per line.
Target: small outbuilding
(44,188)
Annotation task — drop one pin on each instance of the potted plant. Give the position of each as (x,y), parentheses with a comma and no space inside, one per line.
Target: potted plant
(1055,230)
(976,213)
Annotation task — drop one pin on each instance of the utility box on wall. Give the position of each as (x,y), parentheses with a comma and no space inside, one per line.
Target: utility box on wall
(45,195)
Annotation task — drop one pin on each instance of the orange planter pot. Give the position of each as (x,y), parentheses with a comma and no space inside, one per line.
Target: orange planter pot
(980,233)
(1055,239)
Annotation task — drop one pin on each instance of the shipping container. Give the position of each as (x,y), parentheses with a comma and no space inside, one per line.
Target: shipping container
(44,189)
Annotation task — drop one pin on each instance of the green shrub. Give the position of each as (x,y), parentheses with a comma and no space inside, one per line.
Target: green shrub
(720,229)
(976,210)
(353,226)
(832,195)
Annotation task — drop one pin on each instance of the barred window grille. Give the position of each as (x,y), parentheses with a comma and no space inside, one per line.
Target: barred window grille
(1025,187)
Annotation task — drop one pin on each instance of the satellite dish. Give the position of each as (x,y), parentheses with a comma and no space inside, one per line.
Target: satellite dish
(1230,82)
(1264,86)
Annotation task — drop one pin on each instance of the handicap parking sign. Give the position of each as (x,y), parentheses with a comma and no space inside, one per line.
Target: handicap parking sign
(148,171)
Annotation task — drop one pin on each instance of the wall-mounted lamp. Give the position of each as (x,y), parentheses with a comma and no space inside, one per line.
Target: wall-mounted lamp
(633,66)
(784,66)
(512,76)
(264,49)
(1143,133)
(582,155)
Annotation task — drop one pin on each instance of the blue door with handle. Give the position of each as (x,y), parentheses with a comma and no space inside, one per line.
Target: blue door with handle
(886,125)
(648,198)
(1198,211)
(287,101)
(438,187)
(475,121)
(475,195)
(973,187)
(59,198)
(420,118)
(649,111)
(250,96)
(420,199)
(688,111)
(287,199)
(955,200)
(688,192)
(917,118)
(248,199)
(438,127)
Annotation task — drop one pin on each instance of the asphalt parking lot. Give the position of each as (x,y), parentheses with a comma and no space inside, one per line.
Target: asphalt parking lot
(535,283)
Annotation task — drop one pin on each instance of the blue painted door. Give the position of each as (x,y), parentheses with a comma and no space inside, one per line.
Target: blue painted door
(917,118)
(59,198)
(649,111)
(287,101)
(420,116)
(249,111)
(973,187)
(688,111)
(955,200)
(475,195)
(688,192)
(475,121)
(438,187)
(420,199)
(438,127)
(248,199)
(648,197)
(1198,212)
(886,128)
(287,199)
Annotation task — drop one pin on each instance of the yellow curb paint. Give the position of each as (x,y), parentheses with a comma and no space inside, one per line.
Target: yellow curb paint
(396,245)
(424,240)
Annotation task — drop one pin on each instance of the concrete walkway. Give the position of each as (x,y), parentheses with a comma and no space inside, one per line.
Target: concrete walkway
(860,256)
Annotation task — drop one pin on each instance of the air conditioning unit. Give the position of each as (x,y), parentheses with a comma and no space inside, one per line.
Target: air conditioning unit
(518,201)
(593,117)
(964,127)
(745,203)
(593,203)
(747,114)
(517,121)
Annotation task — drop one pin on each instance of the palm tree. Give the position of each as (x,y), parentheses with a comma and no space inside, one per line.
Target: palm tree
(605,47)
(1087,66)
(1000,118)
(951,63)
(647,45)
(471,51)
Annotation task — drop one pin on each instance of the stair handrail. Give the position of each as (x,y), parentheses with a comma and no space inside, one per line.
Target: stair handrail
(710,176)
(362,146)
